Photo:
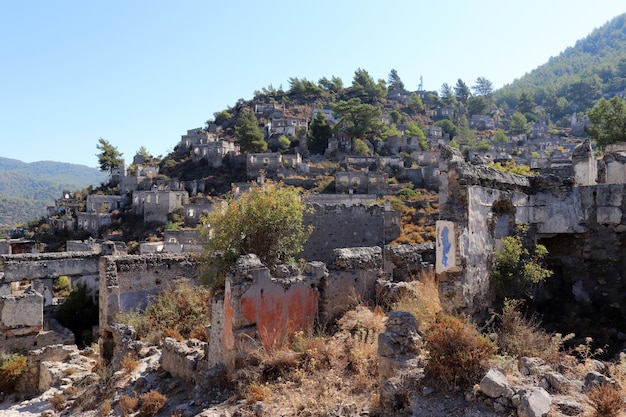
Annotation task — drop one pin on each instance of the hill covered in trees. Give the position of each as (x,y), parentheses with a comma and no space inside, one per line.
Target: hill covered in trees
(26,189)
(574,80)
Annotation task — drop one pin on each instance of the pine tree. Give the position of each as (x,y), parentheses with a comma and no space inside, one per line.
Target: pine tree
(251,139)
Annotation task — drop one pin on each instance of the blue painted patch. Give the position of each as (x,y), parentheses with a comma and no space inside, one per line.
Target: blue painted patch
(445,240)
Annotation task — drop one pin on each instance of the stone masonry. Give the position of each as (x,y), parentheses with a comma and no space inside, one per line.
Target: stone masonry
(582,224)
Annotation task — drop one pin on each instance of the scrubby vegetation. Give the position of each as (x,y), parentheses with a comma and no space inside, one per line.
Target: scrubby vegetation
(183,311)
(11,367)
(519,336)
(607,400)
(518,266)
(315,371)
(459,354)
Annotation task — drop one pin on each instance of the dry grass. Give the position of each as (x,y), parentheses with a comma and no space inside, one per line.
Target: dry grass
(173,333)
(129,363)
(173,313)
(151,403)
(519,336)
(618,370)
(423,302)
(257,392)
(607,400)
(58,401)
(128,404)
(417,217)
(105,409)
(317,372)
(199,332)
(459,354)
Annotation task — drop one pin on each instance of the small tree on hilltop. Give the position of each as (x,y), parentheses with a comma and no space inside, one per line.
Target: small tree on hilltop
(266,221)
(109,157)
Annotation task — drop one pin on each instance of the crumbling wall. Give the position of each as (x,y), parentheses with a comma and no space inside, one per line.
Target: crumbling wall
(589,264)
(183,360)
(23,324)
(21,315)
(478,206)
(49,265)
(127,281)
(582,226)
(409,262)
(343,226)
(351,280)
(258,308)
(615,163)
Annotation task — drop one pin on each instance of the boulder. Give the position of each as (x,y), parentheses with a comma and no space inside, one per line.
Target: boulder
(535,402)
(494,384)
(558,382)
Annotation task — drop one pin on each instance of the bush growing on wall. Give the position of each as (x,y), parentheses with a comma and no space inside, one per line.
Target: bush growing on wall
(518,266)
(266,221)
(11,367)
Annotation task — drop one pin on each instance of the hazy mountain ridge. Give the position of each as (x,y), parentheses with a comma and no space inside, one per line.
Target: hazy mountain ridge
(26,189)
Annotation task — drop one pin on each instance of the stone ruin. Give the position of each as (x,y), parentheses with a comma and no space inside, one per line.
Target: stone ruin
(580,219)
(581,222)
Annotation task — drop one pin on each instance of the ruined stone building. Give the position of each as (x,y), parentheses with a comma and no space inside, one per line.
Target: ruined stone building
(581,222)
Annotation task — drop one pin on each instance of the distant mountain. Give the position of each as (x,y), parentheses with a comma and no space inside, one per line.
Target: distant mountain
(594,67)
(26,189)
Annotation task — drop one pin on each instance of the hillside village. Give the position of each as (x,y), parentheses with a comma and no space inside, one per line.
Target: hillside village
(394,210)
(208,165)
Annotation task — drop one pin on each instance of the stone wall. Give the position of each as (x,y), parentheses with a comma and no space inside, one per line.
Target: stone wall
(49,265)
(352,277)
(258,308)
(582,226)
(482,206)
(589,264)
(341,226)
(21,314)
(127,281)
(22,321)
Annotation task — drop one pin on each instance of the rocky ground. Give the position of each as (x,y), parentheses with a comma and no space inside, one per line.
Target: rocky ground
(73,385)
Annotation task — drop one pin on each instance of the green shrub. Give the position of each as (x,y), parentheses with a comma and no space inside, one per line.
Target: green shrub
(11,367)
(266,221)
(61,287)
(518,265)
(458,352)
(182,309)
(408,193)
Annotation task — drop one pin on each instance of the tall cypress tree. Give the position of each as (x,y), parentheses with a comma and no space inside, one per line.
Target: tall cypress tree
(251,139)
(319,132)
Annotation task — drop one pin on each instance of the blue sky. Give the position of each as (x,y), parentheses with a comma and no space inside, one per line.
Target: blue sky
(140,73)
